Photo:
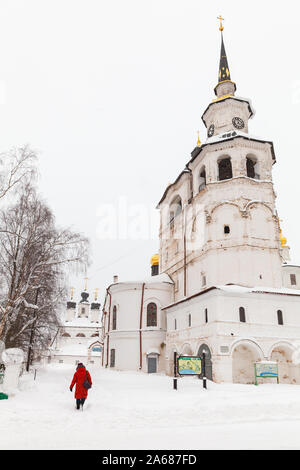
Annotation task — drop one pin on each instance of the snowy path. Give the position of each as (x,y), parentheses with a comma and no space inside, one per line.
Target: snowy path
(137,411)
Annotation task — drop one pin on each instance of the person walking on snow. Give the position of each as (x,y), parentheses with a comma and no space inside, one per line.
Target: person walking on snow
(80,378)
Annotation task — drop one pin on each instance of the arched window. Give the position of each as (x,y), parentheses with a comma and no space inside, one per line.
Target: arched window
(252,167)
(96,334)
(202,179)
(114,318)
(66,335)
(152,314)
(225,169)
(80,335)
(242,315)
(280,317)
(175,208)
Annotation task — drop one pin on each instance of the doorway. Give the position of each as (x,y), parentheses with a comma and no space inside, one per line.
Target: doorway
(208,362)
(152,364)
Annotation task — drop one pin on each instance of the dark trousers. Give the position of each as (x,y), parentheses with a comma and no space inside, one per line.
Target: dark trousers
(79,401)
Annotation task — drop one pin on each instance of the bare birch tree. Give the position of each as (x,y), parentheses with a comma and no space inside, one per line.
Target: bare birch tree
(16,167)
(34,256)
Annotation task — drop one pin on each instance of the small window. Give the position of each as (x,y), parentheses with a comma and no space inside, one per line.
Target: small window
(242,315)
(280,317)
(206,315)
(203,280)
(226,229)
(112,357)
(293,279)
(114,318)
(175,324)
(152,314)
(80,335)
(61,361)
(202,180)
(190,320)
(175,208)
(82,311)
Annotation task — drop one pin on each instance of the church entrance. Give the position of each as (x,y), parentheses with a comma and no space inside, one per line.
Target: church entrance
(208,362)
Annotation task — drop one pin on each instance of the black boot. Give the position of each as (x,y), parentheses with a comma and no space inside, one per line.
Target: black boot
(77,403)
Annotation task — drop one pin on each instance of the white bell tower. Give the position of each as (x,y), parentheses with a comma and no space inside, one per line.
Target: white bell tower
(228,185)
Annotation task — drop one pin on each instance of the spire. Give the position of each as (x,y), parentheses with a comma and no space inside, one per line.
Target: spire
(224,73)
(224,78)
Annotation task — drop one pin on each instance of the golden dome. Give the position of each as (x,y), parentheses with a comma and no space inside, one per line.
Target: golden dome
(283,240)
(155,260)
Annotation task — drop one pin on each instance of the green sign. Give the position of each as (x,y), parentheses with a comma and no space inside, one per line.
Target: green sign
(266,369)
(189,365)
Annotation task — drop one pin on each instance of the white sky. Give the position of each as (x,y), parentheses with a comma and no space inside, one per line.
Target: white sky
(111,94)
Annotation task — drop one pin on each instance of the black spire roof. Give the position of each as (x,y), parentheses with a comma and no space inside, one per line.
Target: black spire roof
(224,73)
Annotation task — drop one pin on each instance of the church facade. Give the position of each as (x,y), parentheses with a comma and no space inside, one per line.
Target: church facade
(79,339)
(235,295)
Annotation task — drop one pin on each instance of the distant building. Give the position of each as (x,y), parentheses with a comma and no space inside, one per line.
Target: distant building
(79,337)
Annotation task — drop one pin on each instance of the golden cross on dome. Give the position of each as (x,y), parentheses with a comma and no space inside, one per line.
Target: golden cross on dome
(72,292)
(85,283)
(221,28)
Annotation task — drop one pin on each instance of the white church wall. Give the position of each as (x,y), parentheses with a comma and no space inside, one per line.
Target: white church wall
(224,331)
(125,339)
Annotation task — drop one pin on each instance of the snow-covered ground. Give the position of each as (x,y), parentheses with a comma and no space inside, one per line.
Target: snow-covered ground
(128,410)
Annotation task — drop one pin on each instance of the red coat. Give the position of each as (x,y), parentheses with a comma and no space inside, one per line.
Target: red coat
(79,377)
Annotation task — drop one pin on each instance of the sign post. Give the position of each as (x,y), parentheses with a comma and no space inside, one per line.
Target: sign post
(266,369)
(204,376)
(189,365)
(175,371)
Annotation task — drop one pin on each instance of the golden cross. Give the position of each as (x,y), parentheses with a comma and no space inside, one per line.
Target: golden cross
(85,283)
(221,25)
(72,292)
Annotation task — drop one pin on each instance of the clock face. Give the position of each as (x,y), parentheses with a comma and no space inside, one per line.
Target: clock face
(211,130)
(238,123)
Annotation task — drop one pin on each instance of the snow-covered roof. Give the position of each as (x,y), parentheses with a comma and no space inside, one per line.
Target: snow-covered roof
(239,290)
(228,135)
(291,264)
(270,290)
(160,278)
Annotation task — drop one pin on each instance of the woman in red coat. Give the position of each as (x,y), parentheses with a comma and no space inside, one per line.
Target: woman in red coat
(81,392)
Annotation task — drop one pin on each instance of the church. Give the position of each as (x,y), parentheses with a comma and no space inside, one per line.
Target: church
(223,283)
(79,336)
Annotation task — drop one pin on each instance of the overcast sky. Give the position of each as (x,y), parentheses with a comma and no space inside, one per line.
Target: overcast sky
(111,94)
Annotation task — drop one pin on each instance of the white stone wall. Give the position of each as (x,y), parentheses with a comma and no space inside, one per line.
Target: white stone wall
(261,332)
